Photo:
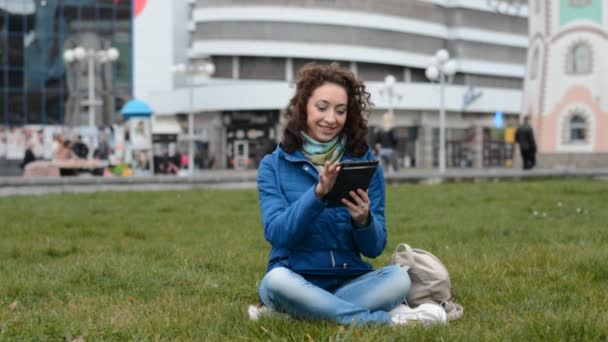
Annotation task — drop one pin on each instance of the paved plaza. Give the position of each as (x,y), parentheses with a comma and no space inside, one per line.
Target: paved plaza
(232,179)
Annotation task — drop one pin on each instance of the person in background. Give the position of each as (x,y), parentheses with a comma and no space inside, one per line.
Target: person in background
(176,159)
(36,142)
(386,144)
(142,160)
(28,156)
(57,146)
(524,136)
(80,149)
(65,151)
(315,269)
(103,150)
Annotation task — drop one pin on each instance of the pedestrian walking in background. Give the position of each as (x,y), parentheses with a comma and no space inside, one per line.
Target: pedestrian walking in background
(524,136)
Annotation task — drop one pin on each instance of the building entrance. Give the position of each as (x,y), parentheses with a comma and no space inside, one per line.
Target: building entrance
(249,136)
(241,154)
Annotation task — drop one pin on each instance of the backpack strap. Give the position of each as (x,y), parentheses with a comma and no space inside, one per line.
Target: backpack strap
(453,311)
(409,253)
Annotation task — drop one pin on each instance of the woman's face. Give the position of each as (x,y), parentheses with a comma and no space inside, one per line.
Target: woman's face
(326,112)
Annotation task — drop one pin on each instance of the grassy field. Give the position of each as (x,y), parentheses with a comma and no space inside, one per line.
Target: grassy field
(528,262)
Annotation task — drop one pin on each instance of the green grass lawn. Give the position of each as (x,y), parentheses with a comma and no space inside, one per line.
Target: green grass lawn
(528,261)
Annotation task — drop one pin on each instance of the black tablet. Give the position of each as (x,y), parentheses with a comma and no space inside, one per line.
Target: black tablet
(352,176)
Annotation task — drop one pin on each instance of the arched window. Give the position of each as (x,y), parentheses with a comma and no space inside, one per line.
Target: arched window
(579,59)
(578,128)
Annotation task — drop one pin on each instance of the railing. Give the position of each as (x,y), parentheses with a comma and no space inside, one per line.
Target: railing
(497,153)
(461,154)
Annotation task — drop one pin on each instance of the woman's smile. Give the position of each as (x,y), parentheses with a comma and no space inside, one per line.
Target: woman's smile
(326,112)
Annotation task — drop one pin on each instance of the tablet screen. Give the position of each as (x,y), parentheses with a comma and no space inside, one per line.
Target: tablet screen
(352,176)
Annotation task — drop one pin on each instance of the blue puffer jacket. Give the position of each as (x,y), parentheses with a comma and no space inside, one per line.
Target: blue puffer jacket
(307,236)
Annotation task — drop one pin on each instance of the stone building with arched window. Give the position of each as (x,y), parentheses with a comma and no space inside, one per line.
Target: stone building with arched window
(565,88)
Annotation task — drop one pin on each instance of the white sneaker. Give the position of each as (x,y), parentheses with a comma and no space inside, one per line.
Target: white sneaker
(427,314)
(255,312)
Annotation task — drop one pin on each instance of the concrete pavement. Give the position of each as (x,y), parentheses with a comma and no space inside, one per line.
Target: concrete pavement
(231,179)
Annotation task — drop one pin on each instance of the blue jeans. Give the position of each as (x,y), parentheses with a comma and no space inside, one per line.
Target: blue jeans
(365,299)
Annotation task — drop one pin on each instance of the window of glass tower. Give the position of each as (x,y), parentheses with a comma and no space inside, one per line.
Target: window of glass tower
(36,85)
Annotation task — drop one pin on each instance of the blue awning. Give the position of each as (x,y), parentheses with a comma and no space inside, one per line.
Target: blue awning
(136,108)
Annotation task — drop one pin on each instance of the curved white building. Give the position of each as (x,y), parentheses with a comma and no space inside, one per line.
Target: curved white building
(257,47)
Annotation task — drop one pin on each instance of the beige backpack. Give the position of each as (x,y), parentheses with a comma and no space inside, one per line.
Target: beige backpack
(430,279)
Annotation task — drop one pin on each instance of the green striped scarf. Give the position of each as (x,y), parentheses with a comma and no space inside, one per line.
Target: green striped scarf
(320,152)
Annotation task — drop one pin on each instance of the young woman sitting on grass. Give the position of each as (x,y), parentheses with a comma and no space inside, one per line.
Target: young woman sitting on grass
(315,270)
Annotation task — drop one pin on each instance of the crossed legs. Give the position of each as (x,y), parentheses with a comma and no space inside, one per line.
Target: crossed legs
(365,299)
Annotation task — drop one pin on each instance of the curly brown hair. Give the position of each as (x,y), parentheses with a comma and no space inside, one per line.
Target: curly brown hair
(312,76)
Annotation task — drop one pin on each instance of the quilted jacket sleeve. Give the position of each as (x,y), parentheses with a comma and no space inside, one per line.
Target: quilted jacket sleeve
(284,224)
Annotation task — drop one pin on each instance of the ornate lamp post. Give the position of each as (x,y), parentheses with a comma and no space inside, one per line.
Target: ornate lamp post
(205,69)
(91,56)
(441,66)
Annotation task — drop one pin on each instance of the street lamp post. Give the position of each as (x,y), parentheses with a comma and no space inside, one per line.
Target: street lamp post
(205,69)
(92,56)
(386,152)
(389,85)
(441,66)
(388,88)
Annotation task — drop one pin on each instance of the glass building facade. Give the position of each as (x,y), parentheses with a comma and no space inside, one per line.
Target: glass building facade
(37,86)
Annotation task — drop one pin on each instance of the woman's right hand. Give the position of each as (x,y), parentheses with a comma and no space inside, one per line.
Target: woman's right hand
(327,178)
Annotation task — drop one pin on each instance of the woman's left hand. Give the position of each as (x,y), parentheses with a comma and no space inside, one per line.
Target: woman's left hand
(359,207)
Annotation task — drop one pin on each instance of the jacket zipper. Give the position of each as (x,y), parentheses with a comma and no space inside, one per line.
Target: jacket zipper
(333,261)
